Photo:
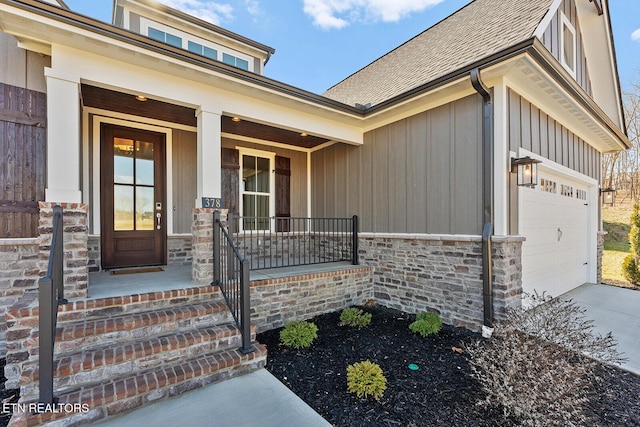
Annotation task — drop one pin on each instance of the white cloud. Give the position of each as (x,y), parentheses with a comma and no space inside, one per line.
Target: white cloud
(207,10)
(253,7)
(329,14)
(635,36)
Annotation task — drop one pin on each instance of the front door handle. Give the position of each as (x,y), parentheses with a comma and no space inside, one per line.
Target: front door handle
(158,220)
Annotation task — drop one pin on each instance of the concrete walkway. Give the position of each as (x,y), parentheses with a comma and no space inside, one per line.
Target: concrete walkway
(615,310)
(255,399)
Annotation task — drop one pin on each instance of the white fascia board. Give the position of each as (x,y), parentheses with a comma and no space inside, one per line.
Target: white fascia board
(528,79)
(124,76)
(596,35)
(546,20)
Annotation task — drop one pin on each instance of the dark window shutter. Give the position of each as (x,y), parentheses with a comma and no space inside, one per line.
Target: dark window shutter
(283,192)
(230,177)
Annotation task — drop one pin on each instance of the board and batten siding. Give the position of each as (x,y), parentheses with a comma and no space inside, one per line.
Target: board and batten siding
(298,181)
(551,40)
(184,160)
(22,68)
(422,174)
(533,130)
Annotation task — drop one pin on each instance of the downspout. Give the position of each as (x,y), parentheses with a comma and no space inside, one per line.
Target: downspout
(487,197)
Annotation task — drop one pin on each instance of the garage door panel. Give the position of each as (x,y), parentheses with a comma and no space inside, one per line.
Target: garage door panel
(555,225)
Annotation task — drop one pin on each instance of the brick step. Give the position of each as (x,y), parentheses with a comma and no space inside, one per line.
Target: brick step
(95,332)
(101,307)
(127,392)
(88,365)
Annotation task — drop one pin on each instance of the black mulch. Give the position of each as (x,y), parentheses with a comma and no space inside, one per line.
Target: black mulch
(6,397)
(440,393)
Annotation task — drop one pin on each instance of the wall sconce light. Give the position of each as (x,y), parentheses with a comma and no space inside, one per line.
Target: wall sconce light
(526,169)
(608,196)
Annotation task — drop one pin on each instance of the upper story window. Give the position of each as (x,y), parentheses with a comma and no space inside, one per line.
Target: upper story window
(195,44)
(236,62)
(202,50)
(568,45)
(164,37)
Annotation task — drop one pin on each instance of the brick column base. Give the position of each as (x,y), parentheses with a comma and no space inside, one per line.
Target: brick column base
(76,235)
(202,250)
(600,249)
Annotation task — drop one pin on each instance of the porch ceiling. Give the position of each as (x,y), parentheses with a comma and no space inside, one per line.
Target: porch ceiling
(120,102)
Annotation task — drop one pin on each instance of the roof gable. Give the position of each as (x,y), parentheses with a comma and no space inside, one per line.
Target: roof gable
(481,28)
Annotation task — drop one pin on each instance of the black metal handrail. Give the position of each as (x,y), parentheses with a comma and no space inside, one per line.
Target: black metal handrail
(274,242)
(231,275)
(51,295)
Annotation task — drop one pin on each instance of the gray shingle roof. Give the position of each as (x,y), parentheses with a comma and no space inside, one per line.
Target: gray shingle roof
(479,29)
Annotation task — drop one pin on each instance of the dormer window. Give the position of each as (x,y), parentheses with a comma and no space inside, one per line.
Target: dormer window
(164,37)
(568,45)
(192,43)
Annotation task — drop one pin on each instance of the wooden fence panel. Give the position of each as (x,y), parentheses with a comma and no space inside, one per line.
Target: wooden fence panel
(23,136)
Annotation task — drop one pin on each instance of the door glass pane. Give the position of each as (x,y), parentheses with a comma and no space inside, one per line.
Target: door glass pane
(144,163)
(123,207)
(144,208)
(122,161)
(262,175)
(249,173)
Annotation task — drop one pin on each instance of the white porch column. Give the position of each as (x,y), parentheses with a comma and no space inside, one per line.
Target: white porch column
(63,137)
(209,153)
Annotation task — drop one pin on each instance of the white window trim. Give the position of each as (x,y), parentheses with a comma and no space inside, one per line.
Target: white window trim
(145,23)
(564,21)
(272,180)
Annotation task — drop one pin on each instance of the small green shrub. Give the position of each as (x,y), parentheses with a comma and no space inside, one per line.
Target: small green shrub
(352,316)
(630,269)
(298,334)
(426,324)
(366,379)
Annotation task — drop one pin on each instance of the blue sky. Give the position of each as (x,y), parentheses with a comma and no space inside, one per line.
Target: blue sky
(320,42)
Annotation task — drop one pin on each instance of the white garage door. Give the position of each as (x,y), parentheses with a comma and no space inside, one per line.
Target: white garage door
(554,219)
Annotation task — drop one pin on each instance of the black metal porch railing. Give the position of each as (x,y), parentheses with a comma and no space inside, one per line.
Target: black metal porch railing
(274,242)
(50,295)
(231,274)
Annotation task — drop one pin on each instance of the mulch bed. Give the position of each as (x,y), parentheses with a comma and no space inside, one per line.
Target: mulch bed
(6,396)
(440,393)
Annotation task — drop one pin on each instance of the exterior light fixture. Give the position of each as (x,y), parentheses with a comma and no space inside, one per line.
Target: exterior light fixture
(608,196)
(141,98)
(303,134)
(526,169)
(235,119)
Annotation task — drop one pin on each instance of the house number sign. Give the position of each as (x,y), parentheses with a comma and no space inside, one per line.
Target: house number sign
(212,202)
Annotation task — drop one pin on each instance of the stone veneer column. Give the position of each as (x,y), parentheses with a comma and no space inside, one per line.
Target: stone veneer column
(600,249)
(202,249)
(76,234)
(507,274)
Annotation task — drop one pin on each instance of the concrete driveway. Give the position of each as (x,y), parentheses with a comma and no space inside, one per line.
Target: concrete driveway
(615,310)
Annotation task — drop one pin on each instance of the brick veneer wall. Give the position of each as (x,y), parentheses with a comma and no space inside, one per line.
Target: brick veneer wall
(277,301)
(19,273)
(600,249)
(415,273)
(93,252)
(76,236)
(179,249)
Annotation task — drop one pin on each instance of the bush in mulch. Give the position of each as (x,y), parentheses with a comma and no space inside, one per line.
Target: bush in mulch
(441,392)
